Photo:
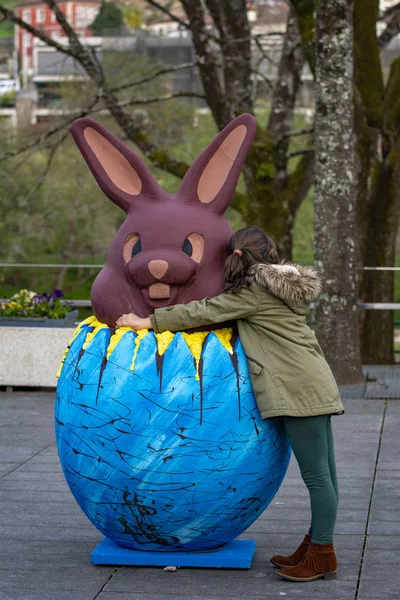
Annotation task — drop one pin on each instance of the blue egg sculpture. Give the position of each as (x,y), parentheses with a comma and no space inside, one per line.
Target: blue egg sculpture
(159,435)
(160,438)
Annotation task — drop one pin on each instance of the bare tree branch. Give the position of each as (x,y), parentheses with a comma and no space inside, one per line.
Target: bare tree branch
(185,24)
(89,111)
(231,20)
(209,67)
(263,53)
(299,153)
(149,78)
(299,132)
(259,74)
(10,178)
(49,133)
(301,180)
(11,16)
(173,17)
(146,101)
(87,57)
(284,97)
(42,178)
(392,28)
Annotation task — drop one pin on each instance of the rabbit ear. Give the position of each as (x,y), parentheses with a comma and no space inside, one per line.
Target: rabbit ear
(120,173)
(213,177)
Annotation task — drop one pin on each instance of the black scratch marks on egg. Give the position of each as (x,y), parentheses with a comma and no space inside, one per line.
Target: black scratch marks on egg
(77,372)
(235,363)
(159,364)
(142,508)
(201,364)
(255,427)
(102,367)
(143,529)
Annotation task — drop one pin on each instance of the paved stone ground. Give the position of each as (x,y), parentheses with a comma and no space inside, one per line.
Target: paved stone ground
(45,540)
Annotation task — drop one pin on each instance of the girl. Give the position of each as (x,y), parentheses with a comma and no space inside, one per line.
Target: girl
(290,376)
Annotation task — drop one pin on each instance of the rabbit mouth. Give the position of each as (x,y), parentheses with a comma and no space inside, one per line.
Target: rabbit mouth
(159,291)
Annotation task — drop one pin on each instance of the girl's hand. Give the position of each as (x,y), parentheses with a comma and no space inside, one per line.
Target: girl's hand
(134,322)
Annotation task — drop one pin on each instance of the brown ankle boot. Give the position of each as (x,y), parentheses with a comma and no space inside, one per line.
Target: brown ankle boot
(319,562)
(293,559)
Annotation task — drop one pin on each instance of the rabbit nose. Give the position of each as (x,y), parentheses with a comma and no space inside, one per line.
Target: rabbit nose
(158,268)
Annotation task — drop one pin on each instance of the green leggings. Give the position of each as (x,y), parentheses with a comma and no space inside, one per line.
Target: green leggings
(312,443)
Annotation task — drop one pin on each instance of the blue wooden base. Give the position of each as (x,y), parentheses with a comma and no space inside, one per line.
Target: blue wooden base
(235,555)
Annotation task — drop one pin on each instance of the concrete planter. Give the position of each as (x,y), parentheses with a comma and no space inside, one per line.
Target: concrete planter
(31,356)
(67,321)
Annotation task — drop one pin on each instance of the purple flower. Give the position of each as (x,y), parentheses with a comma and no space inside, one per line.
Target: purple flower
(58,293)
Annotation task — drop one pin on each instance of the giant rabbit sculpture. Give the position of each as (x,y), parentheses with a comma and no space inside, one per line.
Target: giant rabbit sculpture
(159,436)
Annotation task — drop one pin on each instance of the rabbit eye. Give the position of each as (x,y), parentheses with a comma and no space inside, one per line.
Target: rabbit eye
(193,246)
(132,246)
(136,248)
(187,247)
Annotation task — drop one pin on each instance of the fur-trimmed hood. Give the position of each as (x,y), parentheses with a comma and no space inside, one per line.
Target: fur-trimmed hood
(292,283)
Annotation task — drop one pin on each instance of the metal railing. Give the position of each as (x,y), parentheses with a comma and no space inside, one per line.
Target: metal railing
(87,303)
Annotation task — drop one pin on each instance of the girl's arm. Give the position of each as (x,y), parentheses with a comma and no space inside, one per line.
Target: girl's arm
(132,320)
(226,307)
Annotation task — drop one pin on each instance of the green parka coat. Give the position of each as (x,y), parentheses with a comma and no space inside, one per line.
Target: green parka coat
(289,373)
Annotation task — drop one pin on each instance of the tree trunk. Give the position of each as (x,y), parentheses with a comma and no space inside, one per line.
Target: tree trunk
(377,127)
(378,149)
(378,286)
(337,324)
(275,194)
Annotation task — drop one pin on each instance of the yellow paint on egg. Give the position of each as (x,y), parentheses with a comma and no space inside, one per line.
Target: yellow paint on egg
(163,341)
(225,336)
(194,341)
(97,326)
(139,336)
(115,339)
(77,331)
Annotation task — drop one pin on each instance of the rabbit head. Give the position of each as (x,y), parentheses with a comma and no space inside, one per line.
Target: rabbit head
(171,248)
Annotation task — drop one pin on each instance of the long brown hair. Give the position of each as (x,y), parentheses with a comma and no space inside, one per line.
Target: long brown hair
(254,247)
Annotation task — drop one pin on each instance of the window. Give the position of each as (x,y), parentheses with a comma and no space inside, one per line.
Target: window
(40,15)
(27,39)
(26,15)
(92,14)
(53,17)
(81,16)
